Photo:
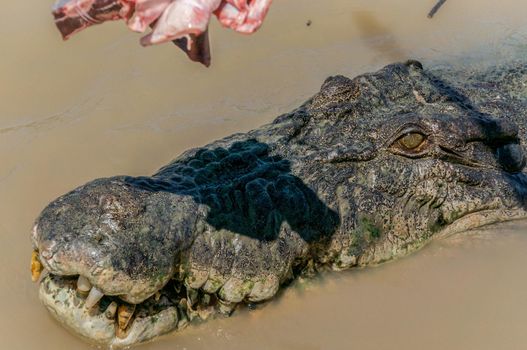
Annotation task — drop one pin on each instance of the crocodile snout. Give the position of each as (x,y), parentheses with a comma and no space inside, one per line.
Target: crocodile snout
(511,157)
(502,136)
(501,139)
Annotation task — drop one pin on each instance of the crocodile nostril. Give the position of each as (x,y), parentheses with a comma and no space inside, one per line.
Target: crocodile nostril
(511,157)
(46,254)
(47,250)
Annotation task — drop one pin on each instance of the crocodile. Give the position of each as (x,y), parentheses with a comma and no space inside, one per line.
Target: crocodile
(367,170)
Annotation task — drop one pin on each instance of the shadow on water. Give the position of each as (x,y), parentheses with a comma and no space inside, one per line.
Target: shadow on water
(247,190)
(377,37)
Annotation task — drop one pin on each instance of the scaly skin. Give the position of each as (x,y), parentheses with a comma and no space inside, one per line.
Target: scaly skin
(367,170)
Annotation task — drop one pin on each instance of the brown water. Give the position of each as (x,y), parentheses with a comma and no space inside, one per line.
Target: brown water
(100,105)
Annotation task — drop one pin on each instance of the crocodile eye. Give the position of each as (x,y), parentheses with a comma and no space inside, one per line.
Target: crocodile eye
(411,140)
(412,143)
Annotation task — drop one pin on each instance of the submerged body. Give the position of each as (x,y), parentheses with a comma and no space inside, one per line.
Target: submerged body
(367,170)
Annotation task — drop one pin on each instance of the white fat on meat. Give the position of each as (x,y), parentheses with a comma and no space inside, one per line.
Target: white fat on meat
(181,18)
(242,16)
(146,12)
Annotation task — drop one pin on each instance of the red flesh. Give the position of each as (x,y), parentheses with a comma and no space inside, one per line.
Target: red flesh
(184,22)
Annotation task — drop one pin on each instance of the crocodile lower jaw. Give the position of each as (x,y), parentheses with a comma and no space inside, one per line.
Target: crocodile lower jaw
(165,312)
(482,218)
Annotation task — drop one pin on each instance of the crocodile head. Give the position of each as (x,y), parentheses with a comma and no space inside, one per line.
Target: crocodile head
(366,170)
(411,156)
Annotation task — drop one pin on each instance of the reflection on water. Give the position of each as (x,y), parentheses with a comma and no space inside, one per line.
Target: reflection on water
(376,36)
(100,105)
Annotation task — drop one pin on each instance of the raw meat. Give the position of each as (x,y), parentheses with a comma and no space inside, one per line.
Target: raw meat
(75,15)
(185,22)
(146,12)
(180,19)
(243,16)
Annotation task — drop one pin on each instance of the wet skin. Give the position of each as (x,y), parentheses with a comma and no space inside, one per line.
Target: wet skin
(367,170)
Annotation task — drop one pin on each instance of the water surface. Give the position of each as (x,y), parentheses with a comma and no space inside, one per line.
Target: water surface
(100,105)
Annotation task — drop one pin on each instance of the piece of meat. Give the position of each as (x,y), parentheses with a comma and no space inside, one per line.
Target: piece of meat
(75,15)
(72,16)
(180,19)
(230,16)
(244,16)
(185,22)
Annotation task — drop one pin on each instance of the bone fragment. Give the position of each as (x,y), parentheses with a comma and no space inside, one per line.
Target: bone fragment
(192,297)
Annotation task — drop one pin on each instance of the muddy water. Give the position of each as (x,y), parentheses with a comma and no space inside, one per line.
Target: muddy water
(100,105)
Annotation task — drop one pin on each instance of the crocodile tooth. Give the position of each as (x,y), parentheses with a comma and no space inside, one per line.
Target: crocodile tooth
(111,310)
(204,312)
(83,285)
(124,315)
(183,307)
(182,314)
(36,266)
(205,300)
(226,308)
(120,333)
(94,297)
(34,232)
(192,297)
(183,321)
